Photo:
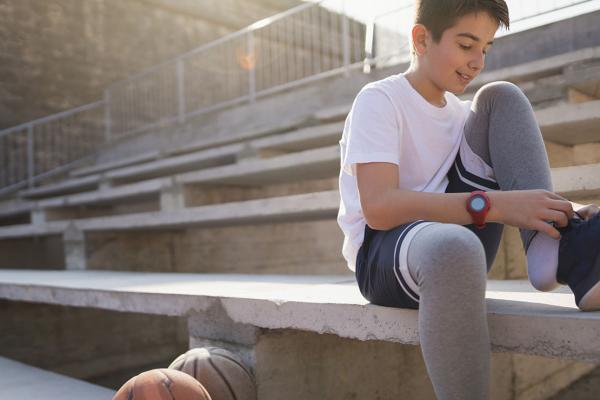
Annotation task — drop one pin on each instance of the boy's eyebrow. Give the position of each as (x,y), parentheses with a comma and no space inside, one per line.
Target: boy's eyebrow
(471,36)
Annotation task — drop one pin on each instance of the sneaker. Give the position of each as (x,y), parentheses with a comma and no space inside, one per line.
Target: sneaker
(579,261)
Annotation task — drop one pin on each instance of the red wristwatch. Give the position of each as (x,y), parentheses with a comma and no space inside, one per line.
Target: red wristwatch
(478,205)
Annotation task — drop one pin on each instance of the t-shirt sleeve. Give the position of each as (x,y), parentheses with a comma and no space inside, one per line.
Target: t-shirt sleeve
(373,133)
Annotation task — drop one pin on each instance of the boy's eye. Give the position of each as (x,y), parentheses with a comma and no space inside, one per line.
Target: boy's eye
(462,46)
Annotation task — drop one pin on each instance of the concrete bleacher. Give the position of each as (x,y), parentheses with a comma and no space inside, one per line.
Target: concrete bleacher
(254,212)
(259,317)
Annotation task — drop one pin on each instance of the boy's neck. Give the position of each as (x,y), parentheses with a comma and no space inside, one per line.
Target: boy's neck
(425,87)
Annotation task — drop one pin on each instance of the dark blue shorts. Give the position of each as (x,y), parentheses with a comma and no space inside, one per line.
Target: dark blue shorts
(381,265)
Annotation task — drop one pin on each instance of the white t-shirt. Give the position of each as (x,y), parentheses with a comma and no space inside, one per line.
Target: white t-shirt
(391,122)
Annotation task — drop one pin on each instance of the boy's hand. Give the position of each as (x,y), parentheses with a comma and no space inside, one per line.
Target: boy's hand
(537,209)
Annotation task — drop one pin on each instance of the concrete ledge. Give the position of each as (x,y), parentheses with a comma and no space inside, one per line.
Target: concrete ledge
(202,159)
(293,141)
(16,207)
(65,187)
(571,124)
(535,69)
(520,318)
(577,181)
(22,381)
(302,139)
(108,195)
(319,205)
(279,127)
(101,167)
(308,164)
(572,182)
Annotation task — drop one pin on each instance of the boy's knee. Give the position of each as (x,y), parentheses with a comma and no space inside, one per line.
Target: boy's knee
(501,90)
(452,243)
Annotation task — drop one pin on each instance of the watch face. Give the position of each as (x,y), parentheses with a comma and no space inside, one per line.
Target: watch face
(477,203)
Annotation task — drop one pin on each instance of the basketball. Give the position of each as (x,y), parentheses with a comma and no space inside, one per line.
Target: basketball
(162,384)
(221,372)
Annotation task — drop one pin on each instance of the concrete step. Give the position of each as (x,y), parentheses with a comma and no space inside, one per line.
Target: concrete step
(101,167)
(278,127)
(278,324)
(22,381)
(204,159)
(572,182)
(320,205)
(578,181)
(296,140)
(309,164)
(172,165)
(536,69)
(73,185)
(302,165)
(521,319)
(577,82)
(571,124)
(568,124)
(302,139)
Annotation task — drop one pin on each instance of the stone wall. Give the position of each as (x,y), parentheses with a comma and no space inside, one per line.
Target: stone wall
(59,54)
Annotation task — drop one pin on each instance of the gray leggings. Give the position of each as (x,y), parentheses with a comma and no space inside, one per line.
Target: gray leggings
(449,266)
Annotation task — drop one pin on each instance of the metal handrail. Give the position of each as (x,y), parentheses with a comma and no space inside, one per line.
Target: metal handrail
(51,117)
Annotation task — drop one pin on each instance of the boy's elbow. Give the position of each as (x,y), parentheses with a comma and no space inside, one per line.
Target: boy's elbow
(373,214)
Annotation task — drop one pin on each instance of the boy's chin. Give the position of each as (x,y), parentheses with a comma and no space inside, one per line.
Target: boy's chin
(456,91)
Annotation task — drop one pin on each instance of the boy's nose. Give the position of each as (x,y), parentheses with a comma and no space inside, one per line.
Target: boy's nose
(477,63)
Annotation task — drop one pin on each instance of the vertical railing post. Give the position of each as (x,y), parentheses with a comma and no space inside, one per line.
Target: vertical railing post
(180,91)
(251,65)
(3,166)
(369,46)
(107,117)
(345,39)
(30,162)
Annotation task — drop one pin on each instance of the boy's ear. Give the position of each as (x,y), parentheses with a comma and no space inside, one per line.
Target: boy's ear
(420,37)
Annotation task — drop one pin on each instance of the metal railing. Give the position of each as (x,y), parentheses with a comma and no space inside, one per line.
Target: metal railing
(46,146)
(304,44)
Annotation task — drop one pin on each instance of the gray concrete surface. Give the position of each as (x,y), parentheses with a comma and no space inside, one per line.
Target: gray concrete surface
(574,182)
(128,161)
(559,37)
(306,206)
(171,165)
(64,187)
(304,165)
(521,319)
(571,124)
(302,139)
(22,381)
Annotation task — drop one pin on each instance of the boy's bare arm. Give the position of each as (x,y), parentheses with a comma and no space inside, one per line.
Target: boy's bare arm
(385,206)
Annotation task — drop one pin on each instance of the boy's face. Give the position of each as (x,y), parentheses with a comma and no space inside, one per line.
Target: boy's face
(460,54)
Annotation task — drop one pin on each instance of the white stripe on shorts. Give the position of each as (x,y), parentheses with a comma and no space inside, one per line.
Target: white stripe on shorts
(402,261)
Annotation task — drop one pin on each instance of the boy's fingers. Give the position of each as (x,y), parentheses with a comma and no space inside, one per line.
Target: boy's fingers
(549,229)
(564,206)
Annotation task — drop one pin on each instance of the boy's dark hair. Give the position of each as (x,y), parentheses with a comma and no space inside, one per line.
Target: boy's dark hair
(439,15)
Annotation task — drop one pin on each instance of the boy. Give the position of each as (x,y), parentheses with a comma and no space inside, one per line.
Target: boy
(428,181)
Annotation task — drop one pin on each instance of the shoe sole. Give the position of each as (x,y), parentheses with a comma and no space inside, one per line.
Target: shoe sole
(591,300)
